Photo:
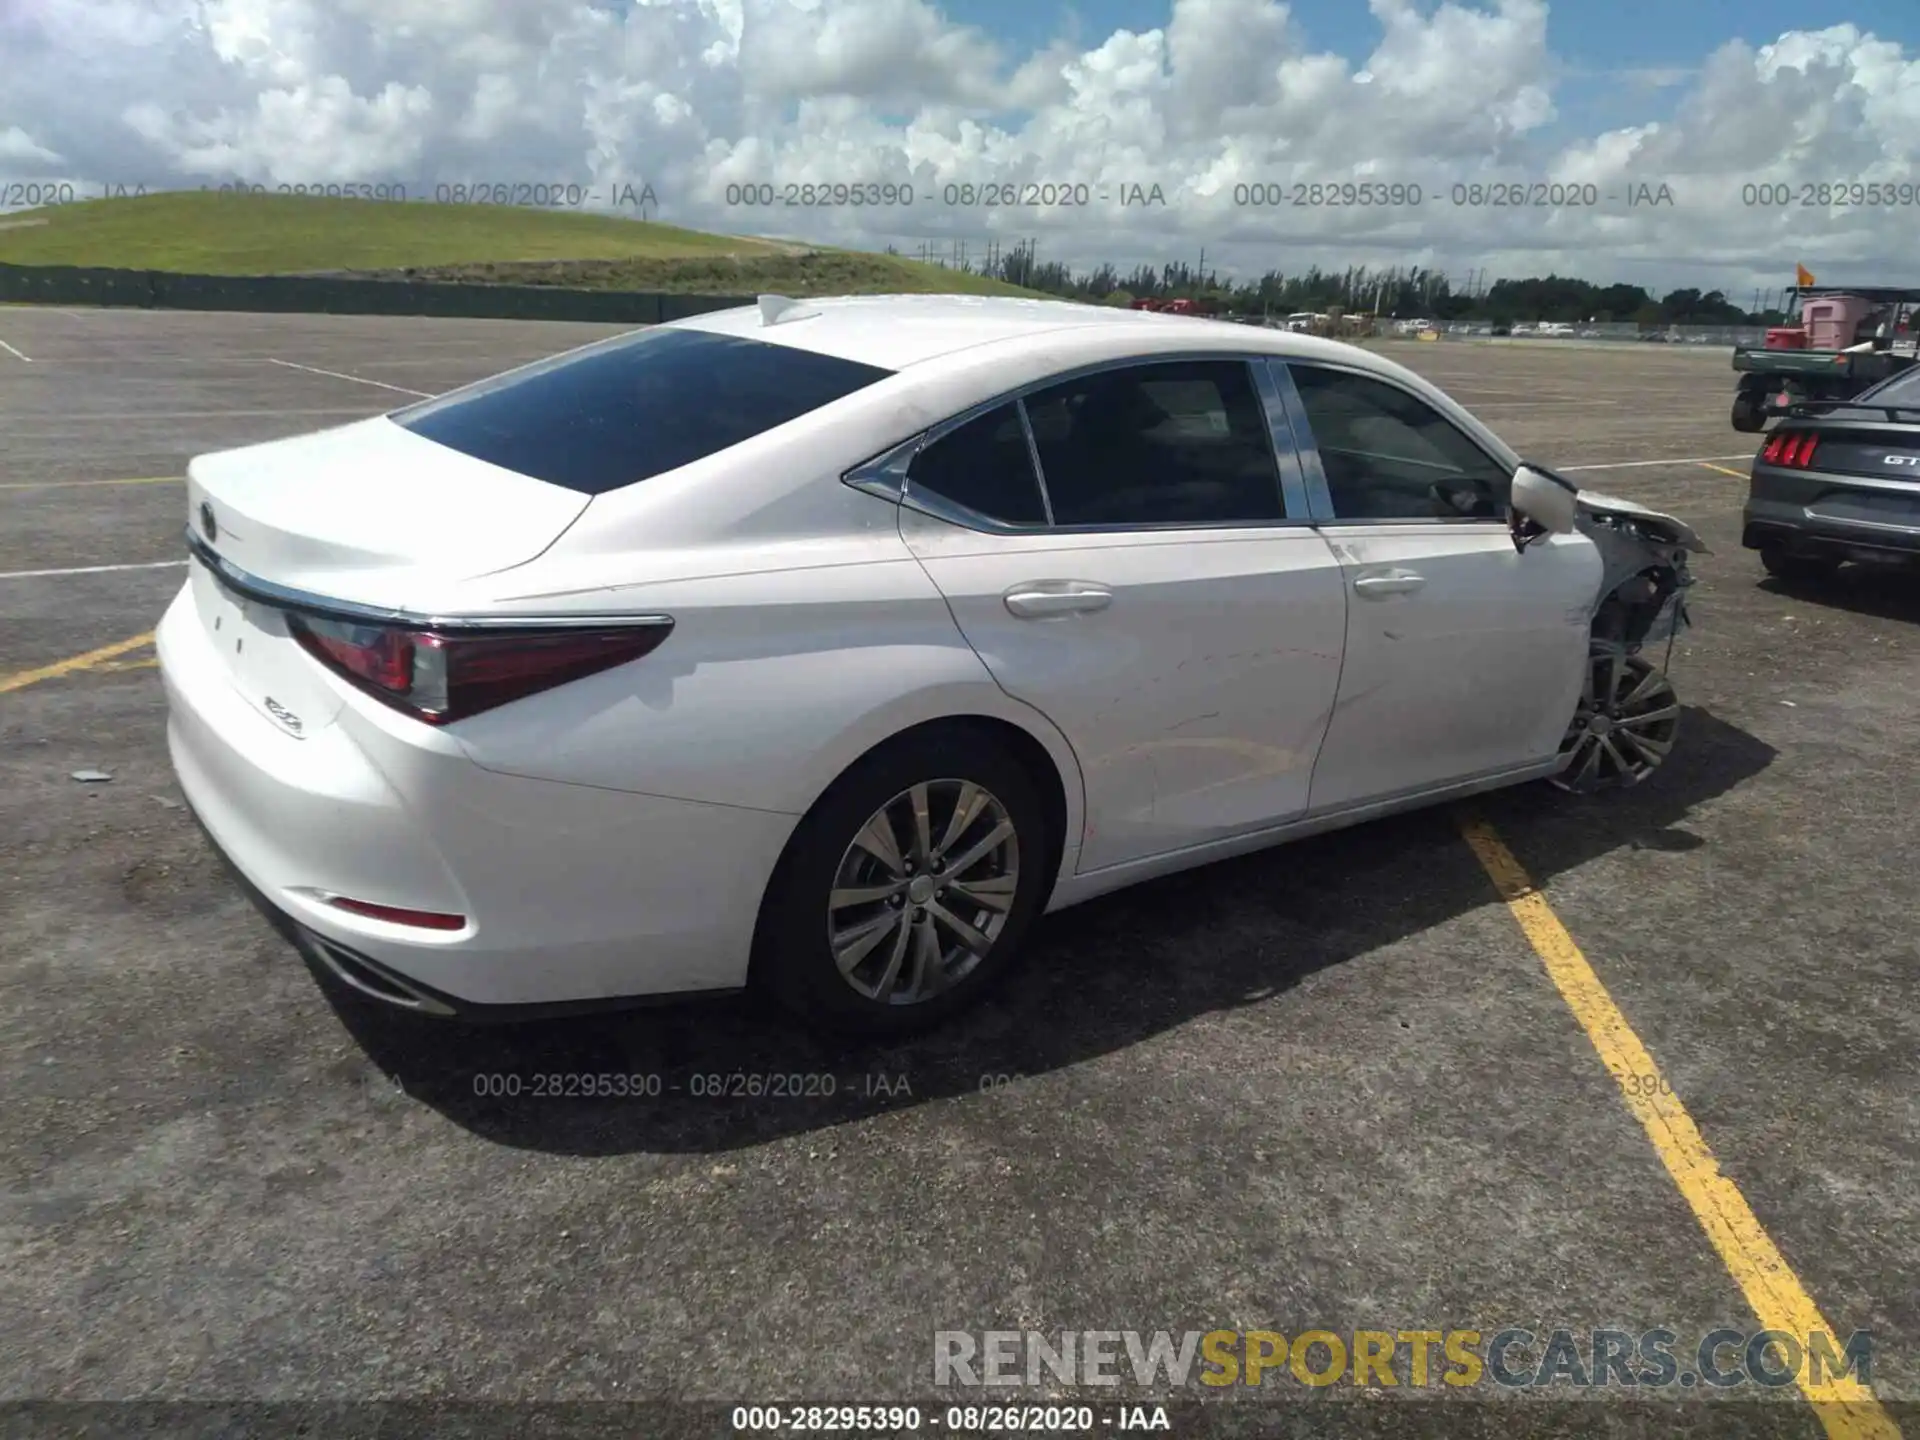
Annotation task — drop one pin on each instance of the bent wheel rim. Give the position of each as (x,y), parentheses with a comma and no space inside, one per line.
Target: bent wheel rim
(1624,726)
(923,891)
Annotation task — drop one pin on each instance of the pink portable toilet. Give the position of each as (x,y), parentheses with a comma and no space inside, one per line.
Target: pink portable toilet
(1831,322)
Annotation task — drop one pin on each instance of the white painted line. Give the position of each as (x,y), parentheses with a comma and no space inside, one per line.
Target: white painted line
(1642,464)
(357,379)
(15,353)
(80,417)
(87,570)
(1509,404)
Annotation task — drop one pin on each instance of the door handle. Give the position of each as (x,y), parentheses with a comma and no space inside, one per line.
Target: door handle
(1041,598)
(1390,582)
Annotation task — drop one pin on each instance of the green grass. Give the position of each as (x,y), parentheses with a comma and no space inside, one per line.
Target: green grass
(208,233)
(214,234)
(813,272)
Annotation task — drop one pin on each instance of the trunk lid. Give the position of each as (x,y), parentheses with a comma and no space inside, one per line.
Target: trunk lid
(367,513)
(371,512)
(264,663)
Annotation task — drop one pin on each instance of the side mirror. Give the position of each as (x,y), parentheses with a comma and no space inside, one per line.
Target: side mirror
(1540,504)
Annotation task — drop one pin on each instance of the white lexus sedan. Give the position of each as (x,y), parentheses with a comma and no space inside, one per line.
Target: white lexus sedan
(821,646)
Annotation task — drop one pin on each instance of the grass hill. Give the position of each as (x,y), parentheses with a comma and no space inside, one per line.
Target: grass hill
(210,233)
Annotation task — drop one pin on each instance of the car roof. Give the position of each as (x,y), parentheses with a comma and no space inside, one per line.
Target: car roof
(1878,294)
(896,332)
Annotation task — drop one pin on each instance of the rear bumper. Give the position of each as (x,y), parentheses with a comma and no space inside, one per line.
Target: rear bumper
(365,975)
(576,897)
(1789,526)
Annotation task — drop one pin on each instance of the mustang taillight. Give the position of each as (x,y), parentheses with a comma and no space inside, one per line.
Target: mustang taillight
(1792,448)
(442,675)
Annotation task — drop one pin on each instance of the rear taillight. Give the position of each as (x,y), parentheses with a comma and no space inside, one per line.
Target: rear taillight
(380,659)
(446,674)
(1791,448)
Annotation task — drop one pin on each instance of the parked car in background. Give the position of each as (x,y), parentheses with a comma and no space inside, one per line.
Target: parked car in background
(821,646)
(1839,481)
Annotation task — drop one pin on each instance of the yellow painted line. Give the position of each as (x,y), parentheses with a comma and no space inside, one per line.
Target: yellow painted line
(1737,474)
(1846,1408)
(21,679)
(69,484)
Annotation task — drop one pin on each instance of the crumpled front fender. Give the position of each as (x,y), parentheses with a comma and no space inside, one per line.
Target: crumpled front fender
(1644,556)
(1658,528)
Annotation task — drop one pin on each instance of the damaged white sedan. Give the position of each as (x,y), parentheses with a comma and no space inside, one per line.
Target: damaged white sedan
(824,645)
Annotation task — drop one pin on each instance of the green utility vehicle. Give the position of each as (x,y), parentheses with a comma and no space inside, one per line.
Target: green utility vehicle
(1842,340)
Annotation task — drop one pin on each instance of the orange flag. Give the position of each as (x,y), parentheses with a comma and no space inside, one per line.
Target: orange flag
(1802,276)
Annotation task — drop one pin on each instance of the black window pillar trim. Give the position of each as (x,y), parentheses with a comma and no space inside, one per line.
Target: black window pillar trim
(1033,454)
(1294,463)
(1317,498)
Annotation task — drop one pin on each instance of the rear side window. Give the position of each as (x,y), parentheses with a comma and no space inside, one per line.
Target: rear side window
(635,406)
(1166,443)
(986,466)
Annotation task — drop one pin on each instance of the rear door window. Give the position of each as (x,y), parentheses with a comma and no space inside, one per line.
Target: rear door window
(621,411)
(1169,443)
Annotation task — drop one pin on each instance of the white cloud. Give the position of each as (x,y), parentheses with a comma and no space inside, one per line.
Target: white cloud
(18,146)
(694,95)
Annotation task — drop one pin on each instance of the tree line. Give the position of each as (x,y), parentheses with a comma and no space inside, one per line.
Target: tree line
(1399,293)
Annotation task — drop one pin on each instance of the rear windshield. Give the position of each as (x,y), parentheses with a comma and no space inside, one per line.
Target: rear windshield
(596,419)
(1902,389)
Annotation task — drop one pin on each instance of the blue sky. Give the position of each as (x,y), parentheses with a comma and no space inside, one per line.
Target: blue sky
(1612,51)
(1600,33)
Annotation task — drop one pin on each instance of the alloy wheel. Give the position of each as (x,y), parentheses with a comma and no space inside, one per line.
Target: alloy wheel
(1624,726)
(923,891)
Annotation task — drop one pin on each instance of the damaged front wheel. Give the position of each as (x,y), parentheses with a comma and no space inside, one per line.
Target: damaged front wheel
(1624,727)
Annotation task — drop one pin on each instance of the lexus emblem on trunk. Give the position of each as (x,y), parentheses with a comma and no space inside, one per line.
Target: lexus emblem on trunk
(208,527)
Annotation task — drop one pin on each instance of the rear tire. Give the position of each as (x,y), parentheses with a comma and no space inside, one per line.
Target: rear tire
(1794,569)
(1748,414)
(877,925)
